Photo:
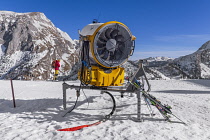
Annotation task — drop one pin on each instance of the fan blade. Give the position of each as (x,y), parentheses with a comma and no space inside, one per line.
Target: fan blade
(121,50)
(103,36)
(119,38)
(112,56)
(117,54)
(101,40)
(100,43)
(101,48)
(108,32)
(107,59)
(103,53)
(121,45)
(114,33)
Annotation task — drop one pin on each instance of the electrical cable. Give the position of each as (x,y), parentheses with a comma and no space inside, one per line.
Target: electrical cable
(84,52)
(113,108)
(85,76)
(72,108)
(86,98)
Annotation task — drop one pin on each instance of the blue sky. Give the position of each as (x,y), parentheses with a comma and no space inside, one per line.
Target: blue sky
(169,28)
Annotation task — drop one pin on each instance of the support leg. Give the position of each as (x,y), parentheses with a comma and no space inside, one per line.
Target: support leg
(64,96)
(139,119)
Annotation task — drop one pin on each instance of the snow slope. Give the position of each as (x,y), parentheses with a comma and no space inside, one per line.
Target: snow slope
(39,112)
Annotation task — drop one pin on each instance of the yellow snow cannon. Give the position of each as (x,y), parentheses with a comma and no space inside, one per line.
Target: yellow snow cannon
(104,48)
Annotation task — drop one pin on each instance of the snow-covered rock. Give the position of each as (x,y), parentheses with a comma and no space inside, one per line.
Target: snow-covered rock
(29,42)
(197,63)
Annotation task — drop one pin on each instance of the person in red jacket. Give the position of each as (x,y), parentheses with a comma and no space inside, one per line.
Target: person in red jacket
(56,66)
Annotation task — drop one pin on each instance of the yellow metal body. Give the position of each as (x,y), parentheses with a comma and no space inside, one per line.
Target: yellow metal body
(101,77)
(106,76)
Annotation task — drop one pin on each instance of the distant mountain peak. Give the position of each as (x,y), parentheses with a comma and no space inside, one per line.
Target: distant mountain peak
(158,58)
(205,46)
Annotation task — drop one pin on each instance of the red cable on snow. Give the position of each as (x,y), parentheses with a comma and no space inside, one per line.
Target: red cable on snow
(79,127)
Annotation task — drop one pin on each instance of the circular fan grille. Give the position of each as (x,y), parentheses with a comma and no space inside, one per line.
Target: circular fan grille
(112,45)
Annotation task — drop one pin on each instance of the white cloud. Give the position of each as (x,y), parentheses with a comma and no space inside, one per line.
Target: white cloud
(172,54)
(170,46)
(198,38)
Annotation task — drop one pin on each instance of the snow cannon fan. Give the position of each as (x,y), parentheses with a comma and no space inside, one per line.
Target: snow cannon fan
(104,47)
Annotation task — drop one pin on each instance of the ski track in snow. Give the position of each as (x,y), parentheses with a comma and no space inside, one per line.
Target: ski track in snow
(39,112)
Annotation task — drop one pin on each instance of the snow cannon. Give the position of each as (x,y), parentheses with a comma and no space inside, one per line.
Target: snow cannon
(104,48)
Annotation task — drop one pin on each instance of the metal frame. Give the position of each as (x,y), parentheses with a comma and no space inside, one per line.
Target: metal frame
(129,88)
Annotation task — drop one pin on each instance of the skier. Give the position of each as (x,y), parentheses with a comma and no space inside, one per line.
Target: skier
(56,66)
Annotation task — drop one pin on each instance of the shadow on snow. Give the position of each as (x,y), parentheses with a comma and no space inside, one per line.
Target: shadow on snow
(184,91)
(201,82)
(52,110)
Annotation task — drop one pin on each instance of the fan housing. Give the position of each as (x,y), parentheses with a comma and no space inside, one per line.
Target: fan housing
(111,43)
(105,47)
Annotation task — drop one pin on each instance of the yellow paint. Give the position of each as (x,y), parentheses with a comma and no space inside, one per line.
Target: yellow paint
(133,37)
(99,77)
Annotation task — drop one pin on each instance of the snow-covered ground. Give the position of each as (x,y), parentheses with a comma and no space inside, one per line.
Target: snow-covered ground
(39,112)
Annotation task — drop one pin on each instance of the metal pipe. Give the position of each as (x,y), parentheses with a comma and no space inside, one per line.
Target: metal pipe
(64,95)
(13,96)
(138,92)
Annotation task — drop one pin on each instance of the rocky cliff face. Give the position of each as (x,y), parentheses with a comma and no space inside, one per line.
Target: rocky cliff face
(197,64)
(29,42)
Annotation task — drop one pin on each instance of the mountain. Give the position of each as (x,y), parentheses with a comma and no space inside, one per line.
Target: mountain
(29,42)
(157,61)
(192,66)
(197,64)
(152,67)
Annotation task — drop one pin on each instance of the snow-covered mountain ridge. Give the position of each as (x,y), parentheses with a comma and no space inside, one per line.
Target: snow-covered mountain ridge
(192,66)
(29,42)
(158,58)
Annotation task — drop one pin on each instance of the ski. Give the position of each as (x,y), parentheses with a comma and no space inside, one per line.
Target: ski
(163,109)
(179,119)
(147,101)
(163,113)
